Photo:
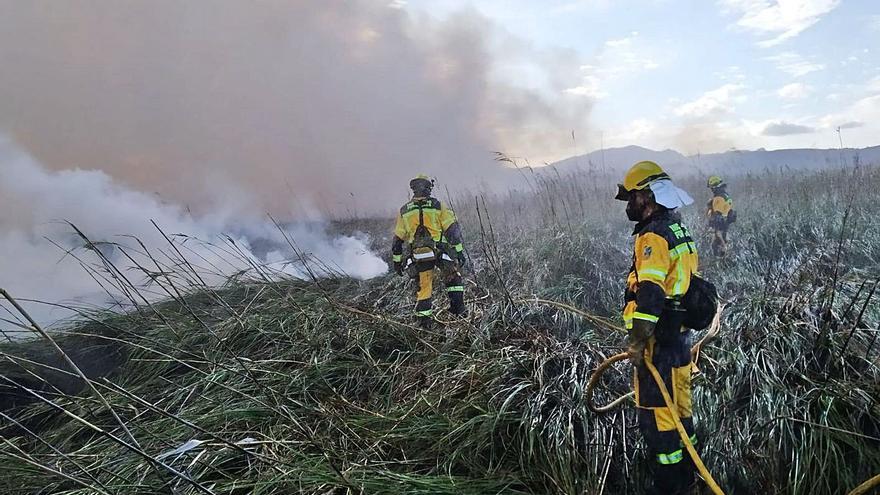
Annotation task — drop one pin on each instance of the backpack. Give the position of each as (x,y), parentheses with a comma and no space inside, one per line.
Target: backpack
(424,248)
(700,303)
(731,216)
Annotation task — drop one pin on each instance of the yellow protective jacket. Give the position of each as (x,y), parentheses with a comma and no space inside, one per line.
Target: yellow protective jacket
(664,258)
(718,210)
(439,220)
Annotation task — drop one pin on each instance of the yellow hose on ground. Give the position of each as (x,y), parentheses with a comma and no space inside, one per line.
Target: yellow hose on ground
(707,477)
(672,409)
(602,322)
(594,380)
(714,328)
(866,486)
(695,351)
(695,354)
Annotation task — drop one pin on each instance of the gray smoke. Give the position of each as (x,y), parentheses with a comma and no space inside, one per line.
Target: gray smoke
(204,115)
(42,252)
(285,103)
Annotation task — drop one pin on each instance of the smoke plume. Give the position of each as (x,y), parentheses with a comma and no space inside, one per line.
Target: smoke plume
(204,115)
(45,259)
(332,103)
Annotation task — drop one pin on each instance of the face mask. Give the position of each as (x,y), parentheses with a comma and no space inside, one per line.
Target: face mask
(634,209)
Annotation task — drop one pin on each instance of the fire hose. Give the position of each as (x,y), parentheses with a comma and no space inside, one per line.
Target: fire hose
(866,486)
(685,440)
(714,329)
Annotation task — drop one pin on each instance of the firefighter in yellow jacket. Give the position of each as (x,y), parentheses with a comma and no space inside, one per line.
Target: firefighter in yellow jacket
(720,213)
(664,257)
(432,237)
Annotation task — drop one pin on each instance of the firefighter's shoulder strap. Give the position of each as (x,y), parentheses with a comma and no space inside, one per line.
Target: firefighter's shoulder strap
(423,245)
(422,229)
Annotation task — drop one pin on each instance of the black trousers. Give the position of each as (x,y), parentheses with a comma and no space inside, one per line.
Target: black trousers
(669,351)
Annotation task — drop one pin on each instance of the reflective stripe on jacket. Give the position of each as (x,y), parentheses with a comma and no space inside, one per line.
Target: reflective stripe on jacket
(664,257)
(438,219)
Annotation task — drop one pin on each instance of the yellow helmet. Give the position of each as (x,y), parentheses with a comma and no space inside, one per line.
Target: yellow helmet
(421,183)
(714,181)
(639,176)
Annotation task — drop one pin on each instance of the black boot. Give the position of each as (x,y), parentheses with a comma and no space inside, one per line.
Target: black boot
(456,304)
(674,479)
(426,322)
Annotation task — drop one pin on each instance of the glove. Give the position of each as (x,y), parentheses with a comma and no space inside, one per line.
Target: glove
(462,259)
(638,339)
(636,352)
(398,268)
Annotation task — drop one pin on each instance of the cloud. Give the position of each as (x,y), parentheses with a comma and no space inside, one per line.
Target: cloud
(783,19)
(730,73)
(868,107)
(794,91)
(793,64)
(849,60)
(858,117)
(708,137)
(852,124)
(617,59)
(282,102)
(709,123)
(873,86)
(785,129)
(590,87)
(712,103)
(640,131)
(579,6)
(621,42)
(627,55)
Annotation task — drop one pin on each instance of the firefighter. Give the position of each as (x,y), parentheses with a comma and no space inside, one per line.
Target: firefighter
(720,213)
(433,240)
(664,257)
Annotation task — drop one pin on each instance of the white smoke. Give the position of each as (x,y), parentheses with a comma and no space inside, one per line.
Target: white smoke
(335,102)
(36,206)
(203,115)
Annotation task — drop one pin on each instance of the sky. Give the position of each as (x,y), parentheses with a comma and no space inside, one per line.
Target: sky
(708,75)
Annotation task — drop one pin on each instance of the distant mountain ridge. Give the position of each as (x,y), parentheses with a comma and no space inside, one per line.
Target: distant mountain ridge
(616,159)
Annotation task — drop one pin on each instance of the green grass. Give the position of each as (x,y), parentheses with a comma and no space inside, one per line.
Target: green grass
(327,388)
